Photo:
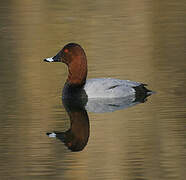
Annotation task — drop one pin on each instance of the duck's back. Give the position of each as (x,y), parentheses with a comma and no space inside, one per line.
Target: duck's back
(109,88)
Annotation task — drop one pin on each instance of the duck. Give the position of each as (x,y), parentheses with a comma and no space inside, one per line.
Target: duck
(78,86)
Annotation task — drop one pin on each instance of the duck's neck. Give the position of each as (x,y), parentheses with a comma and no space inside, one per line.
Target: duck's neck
(77,72)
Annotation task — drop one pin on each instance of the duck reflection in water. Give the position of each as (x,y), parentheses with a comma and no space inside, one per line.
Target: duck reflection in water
(77,136)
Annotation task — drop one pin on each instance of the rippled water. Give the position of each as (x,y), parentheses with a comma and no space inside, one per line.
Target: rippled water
(142,41)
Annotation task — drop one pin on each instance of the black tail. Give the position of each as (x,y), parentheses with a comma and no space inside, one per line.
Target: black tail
(142,93)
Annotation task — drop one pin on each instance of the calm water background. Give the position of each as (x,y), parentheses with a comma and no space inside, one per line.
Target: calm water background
(138,40)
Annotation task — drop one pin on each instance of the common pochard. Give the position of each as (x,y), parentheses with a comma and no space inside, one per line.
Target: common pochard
(77,85)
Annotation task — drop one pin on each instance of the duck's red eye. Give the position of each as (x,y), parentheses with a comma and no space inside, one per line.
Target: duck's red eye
(66,50)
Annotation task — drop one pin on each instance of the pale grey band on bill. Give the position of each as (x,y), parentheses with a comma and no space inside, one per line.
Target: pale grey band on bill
(49,59)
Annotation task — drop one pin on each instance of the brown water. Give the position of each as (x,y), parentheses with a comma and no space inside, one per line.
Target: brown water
(142,41)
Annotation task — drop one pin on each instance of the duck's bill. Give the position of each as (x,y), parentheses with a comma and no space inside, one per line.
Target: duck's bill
(49,59)
(56,58)
(51,135)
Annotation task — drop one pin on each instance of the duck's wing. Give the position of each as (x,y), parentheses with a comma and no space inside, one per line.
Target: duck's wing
(109,87)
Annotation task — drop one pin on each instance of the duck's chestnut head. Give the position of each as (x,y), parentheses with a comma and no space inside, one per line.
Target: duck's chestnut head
(74,57)
(70,52)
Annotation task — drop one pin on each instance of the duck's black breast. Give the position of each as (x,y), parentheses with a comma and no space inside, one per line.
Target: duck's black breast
(71,91)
